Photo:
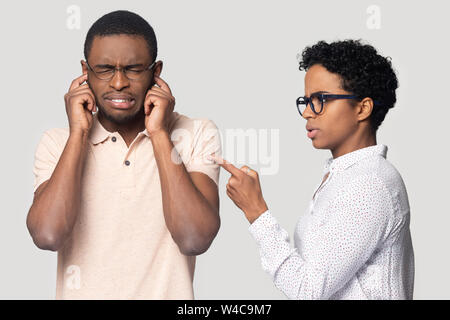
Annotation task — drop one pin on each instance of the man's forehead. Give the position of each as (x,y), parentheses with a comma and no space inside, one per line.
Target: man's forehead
(123,48)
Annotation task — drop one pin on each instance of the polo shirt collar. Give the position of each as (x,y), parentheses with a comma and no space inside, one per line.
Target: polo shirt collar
(99,134)
(347,160)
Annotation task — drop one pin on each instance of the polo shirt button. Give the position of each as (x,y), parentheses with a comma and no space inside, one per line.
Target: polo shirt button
(127,162)
(113,139)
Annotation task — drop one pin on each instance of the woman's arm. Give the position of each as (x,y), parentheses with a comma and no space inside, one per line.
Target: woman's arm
(356,225)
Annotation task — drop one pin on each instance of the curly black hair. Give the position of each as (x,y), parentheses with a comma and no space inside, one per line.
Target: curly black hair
(122,22)
(363,71)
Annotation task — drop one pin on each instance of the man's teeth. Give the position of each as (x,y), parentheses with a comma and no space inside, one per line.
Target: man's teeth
(120,100)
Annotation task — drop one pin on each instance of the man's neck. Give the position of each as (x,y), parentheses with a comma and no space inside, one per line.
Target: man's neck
(128,130)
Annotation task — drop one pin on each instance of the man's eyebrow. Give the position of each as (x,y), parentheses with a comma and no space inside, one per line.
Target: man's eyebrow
(134,65)
(103,66)
(111,66)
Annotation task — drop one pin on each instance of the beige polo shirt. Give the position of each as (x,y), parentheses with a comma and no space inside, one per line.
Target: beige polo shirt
(120,247)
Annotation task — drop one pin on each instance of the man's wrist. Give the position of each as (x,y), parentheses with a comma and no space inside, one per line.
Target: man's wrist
(78,136)
(158,134)
(78,133)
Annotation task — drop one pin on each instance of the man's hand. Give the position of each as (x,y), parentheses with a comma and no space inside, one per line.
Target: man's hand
(158,106)
(80,103)
(244,189)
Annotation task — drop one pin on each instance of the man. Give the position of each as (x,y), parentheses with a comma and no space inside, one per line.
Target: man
(126,209)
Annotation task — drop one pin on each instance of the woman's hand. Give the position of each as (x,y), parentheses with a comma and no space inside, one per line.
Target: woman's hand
(244,189)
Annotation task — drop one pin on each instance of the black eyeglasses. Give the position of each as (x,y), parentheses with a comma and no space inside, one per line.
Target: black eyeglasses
(317,100)
(107,72)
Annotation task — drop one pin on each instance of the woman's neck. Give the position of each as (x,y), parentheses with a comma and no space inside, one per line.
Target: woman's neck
(356,142)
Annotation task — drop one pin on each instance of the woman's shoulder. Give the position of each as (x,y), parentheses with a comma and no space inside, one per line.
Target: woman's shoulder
(380,174)
(383,171)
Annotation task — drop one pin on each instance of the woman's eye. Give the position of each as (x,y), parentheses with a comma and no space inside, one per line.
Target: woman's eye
(322,99)
(315,99)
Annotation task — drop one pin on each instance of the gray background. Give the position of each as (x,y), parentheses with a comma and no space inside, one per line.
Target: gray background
(235,63)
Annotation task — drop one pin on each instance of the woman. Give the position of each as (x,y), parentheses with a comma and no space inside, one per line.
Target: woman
(354,242)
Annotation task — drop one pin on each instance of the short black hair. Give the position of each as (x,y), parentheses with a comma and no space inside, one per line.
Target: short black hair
(122,22)
(363,71)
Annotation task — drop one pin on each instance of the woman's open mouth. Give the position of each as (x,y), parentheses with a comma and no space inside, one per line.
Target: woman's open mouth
(312,133)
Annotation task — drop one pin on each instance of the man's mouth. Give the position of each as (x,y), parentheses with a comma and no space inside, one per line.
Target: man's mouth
(121,102)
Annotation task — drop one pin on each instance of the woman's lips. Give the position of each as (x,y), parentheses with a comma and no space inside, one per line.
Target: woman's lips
(121,103)
(311,134)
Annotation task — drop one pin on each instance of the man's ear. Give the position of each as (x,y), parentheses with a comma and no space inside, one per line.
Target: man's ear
(84,68)
(158,68)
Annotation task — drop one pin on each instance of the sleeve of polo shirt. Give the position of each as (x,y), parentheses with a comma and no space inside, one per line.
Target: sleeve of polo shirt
(206,142)
(355,225)
(46,158)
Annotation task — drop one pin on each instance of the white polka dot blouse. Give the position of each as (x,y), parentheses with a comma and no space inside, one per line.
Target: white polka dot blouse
(353,242)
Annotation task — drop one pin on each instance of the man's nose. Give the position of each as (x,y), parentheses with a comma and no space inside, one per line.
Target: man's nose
(119,80)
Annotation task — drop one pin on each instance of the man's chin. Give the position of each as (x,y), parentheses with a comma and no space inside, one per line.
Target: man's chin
(121,119)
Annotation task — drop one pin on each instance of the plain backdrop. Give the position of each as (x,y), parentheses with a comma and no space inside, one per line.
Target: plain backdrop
(234,62)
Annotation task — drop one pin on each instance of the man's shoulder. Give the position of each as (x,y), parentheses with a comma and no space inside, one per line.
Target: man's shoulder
(56,132)
(57,135)
(183,122)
